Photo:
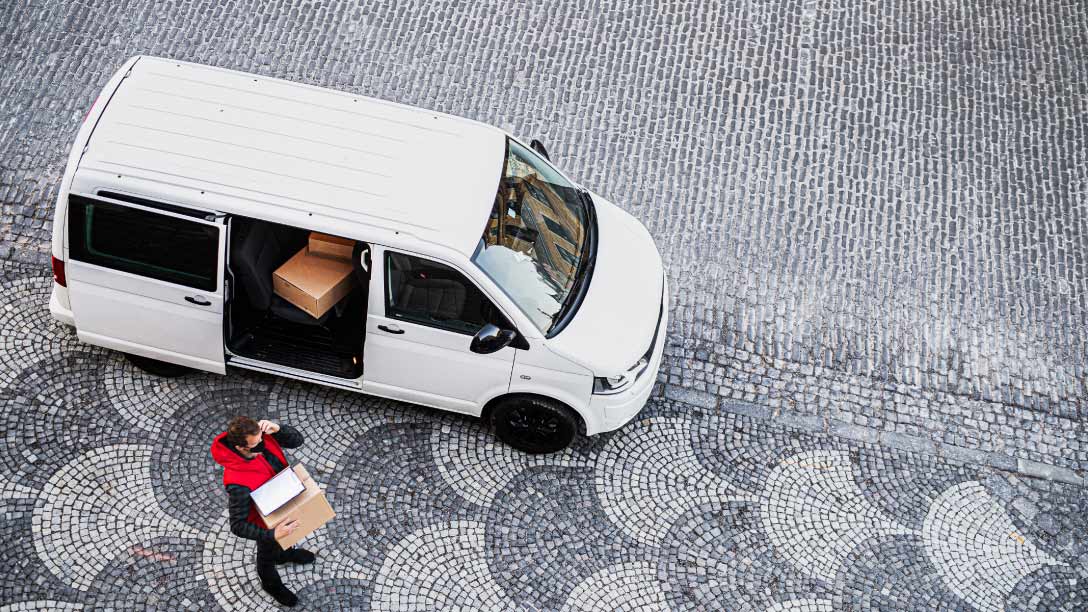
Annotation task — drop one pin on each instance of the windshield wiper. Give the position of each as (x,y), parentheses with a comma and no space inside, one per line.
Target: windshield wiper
(583,274)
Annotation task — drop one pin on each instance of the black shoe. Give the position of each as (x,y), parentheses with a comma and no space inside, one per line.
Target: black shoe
(296,555)
(282,594)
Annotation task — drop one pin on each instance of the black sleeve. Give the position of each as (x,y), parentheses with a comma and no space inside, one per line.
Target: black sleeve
(239,503)
(288,437)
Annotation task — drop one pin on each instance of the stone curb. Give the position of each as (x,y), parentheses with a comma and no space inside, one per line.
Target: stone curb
(900,441)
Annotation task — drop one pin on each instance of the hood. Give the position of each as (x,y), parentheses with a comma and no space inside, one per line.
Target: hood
(615,323)
(225,455)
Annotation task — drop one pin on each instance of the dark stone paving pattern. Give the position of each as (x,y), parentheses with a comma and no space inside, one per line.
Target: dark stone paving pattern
(109,500)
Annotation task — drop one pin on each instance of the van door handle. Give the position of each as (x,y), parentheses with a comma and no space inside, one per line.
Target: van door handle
(393,330)
(199,301)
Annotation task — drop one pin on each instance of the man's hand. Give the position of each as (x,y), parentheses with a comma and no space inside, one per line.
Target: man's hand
(286,528)
(268,427)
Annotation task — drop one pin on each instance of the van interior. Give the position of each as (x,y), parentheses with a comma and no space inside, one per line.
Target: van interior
(263,325)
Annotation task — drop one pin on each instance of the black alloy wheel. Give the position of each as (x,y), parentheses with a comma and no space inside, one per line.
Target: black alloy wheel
(158,368)
(534,425)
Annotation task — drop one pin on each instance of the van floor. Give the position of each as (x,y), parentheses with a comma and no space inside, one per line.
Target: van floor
(305,347)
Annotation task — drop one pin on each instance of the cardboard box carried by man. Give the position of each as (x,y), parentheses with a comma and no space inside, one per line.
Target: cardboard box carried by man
(309,507)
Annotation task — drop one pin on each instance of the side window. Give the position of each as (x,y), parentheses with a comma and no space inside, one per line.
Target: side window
(145,243)
(427,292)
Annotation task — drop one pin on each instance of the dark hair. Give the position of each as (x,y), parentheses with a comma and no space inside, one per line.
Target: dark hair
(239,428)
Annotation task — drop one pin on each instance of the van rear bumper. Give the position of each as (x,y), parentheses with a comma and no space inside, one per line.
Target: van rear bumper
(58,311)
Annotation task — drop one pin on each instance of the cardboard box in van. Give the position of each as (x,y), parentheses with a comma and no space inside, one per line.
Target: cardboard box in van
(312,282)
(331,246)
(309,508)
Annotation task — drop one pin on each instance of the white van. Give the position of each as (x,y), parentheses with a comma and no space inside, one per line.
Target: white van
(484,280)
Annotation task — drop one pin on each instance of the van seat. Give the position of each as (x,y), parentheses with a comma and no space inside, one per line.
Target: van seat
(442,298)
(258,254)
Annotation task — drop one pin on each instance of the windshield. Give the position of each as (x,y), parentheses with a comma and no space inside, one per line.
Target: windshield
(535,239)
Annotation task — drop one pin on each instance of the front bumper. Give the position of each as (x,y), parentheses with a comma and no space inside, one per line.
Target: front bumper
(619,409)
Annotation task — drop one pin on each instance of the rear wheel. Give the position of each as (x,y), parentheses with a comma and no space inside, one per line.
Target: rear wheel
(534,424)
(158,368)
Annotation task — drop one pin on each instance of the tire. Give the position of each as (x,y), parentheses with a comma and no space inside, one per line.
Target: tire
(534,425)
(156,367)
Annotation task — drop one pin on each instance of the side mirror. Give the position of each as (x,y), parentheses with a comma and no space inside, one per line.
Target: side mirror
(538,146)
(491,339)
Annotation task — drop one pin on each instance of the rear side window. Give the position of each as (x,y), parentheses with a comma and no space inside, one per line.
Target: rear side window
(142,242)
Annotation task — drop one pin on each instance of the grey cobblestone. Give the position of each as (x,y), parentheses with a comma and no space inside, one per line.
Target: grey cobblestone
(958,454)
(689,396)
(854,432)
(804,422)
(110,501)
(861,219)
(754,411)
(907,442)
(1049,472)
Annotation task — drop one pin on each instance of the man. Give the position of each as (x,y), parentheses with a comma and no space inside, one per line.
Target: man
(251,452)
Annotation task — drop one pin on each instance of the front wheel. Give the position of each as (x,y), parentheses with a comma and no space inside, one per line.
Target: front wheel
(534,425)
(156,367)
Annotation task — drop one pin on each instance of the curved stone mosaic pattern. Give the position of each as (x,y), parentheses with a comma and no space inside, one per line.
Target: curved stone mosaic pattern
(627,587)
(814,513)
(101,504)
(43,606)
(648,476)
(478,467)
(440,567)
(10,489)
(55,403)
(27,330)
(892,573)
(110,500)
(235,586)
(802,605)
(1054,587)
(981,554)
(145,401)
(164,573)
(335,417)
(549,518)
(719,558)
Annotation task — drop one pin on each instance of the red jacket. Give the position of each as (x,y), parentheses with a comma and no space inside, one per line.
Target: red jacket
(250,473)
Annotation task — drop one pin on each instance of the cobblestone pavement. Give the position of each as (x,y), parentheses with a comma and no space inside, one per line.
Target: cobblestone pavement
(873,214)
(875,219)
(110,499)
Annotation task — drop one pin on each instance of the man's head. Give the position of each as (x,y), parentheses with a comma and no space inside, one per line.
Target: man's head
(243,434)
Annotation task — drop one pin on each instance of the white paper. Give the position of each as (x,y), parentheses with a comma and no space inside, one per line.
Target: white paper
(276,492)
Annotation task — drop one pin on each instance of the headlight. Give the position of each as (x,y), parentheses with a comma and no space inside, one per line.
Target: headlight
(608,385)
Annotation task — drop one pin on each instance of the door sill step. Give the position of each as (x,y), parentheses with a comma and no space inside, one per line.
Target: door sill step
(281,370)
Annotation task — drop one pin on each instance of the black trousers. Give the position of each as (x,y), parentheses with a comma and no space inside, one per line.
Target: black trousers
(268,553)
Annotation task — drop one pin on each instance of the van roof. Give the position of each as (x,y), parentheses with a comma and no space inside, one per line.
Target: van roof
(285,150)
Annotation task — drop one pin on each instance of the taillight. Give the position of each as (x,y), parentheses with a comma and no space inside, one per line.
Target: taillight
(58,272)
